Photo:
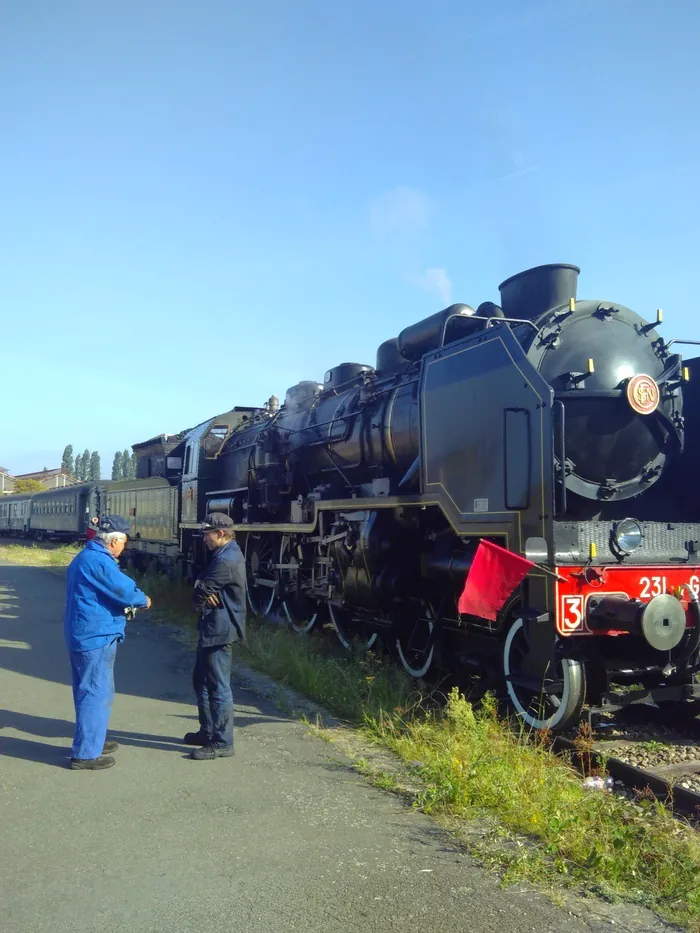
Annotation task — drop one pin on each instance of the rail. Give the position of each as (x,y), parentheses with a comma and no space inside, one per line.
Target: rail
(680,800)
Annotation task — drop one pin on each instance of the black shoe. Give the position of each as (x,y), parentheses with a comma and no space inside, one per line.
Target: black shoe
(197,738)
(110,748)
(209,752)
(92,764)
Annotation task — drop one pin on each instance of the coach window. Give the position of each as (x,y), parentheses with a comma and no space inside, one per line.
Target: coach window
(188,459)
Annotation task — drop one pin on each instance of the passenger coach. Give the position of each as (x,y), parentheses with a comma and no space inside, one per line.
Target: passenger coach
(14,514)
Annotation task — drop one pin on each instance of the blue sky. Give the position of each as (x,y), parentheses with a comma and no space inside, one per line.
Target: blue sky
(202,204)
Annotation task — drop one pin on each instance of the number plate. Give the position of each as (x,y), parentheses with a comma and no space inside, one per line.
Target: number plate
(630,582)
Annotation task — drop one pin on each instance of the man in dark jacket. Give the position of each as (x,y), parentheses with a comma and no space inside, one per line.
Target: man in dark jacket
(219,595)
(97,595)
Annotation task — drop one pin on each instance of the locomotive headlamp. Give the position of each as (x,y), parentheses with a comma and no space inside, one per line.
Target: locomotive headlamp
(627,535)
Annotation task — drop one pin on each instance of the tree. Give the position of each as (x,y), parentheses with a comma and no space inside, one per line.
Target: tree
(134,465)
(117,466)
(67,459)
(85,465)
(28,485)
(126,465)
(95,468)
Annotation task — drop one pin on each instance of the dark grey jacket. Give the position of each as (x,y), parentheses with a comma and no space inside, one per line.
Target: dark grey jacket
(224,576)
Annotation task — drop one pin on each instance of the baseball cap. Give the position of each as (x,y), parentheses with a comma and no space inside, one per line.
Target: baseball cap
(216,521)
(114,523)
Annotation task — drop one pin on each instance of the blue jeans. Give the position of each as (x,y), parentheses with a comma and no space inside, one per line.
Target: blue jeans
(93,692)
(212,684)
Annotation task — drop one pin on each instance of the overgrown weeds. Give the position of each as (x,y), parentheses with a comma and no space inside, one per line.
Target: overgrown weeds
(171,599)
(472,763)
(36,555)
(359,688)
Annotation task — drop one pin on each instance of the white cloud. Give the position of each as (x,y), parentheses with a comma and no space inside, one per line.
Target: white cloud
(402,211)
(437,282)
(402,218)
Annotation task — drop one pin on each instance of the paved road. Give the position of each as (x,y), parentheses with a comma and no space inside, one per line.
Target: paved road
(280,837)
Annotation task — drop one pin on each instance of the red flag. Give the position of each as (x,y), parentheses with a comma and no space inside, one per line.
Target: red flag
(492,577)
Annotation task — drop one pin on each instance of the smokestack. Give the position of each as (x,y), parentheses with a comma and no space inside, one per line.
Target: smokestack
(534,291)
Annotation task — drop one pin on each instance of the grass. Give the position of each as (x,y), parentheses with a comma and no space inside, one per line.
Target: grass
(36,555)
(472,763)
(469,763)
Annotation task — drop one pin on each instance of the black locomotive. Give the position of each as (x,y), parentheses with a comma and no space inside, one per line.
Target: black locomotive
(552,426)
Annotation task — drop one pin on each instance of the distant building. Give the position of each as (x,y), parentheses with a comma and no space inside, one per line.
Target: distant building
(50,479)
(7,481)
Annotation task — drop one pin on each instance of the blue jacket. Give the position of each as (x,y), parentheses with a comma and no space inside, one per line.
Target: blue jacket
(225,576)
(97,593)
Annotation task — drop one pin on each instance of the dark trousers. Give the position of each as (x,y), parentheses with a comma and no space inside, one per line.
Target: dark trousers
(212,684)
(92,673)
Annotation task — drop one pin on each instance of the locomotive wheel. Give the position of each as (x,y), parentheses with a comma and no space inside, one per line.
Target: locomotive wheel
(413,650)
(300,610)
(557,709)
(347,630)
(261,577)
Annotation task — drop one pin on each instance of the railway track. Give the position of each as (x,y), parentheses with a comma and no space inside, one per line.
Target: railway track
(643,756)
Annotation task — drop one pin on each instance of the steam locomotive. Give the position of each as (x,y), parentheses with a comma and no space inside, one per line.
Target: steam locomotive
(552,426)
(564,430)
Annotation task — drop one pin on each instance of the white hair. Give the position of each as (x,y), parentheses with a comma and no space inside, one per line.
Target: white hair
(106,537)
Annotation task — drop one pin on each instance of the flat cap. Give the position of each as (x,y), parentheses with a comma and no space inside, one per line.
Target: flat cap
(216,521)
(114,523)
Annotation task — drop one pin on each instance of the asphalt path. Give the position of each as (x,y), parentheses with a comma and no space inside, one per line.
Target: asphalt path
(284,836)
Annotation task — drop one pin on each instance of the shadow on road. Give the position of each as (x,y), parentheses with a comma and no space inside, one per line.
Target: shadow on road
(152,663)
(63,729)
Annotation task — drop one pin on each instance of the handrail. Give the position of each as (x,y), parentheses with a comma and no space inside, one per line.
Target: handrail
(695,343)
(489,322)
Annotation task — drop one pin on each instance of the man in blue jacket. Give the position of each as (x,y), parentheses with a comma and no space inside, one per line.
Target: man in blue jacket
(97,595)
(219,595)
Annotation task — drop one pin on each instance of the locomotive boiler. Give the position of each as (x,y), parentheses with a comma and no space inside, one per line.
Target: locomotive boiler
(547,424)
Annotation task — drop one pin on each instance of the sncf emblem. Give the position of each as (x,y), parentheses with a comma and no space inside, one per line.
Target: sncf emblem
(642,394)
